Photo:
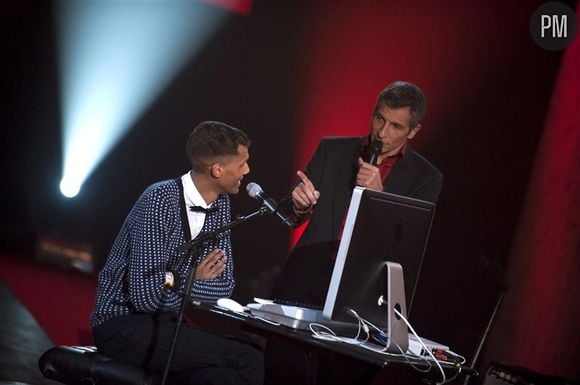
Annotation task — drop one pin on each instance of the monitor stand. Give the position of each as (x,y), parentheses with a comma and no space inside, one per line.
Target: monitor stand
(396,338)
(397,332)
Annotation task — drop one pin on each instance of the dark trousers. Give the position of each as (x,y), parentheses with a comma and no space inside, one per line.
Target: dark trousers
(201,357)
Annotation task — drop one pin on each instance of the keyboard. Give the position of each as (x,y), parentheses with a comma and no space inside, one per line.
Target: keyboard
(298,317)
(292,316)
(296,304)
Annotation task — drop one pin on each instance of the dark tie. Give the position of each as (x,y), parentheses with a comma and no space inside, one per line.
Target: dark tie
(200,209)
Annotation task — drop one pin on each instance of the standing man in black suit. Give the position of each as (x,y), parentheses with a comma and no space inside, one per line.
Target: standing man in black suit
(323,193)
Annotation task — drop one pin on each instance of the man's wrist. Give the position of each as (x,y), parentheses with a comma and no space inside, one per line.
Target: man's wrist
(169,280)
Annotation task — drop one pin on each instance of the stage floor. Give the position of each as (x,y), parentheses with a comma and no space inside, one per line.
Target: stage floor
(22,342)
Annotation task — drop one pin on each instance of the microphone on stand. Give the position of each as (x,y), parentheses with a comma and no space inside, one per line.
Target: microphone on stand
(255,191)
(373,152)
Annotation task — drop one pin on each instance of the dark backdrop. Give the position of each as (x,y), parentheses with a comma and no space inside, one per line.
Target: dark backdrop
(289,73)
(242,76)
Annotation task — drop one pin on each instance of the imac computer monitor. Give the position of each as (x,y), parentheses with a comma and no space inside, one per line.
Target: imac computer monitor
(379,228)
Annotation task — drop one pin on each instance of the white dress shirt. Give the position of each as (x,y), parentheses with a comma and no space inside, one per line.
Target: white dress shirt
(193,198)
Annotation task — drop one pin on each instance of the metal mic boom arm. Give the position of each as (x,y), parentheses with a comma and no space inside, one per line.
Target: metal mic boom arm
(190,247)
(204,237)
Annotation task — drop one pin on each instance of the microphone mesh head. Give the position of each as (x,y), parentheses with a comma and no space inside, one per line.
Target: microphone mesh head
(253,189)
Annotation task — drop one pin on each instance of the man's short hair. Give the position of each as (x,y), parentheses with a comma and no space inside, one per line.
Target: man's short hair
(401,94)
(211,140)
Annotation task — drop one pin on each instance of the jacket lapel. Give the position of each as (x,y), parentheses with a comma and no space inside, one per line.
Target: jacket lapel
(345,181)
(398,180)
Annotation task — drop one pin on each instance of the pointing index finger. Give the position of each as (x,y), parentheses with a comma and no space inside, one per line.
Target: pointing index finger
(308,188)
(303,177)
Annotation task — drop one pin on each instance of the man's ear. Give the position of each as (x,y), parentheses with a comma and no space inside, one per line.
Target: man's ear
(414,131)
(216,170)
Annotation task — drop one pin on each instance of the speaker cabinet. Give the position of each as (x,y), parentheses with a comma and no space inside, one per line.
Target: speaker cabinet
(503,374)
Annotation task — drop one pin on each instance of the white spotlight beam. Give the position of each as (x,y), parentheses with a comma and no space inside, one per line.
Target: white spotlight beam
(115,58)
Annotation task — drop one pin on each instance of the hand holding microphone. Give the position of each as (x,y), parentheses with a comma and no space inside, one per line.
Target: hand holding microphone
(374,150)
(368,175)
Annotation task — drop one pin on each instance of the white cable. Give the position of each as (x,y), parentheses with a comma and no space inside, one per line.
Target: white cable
(422,344)
(329,335)
(404,354)
(458,356)
(362,323)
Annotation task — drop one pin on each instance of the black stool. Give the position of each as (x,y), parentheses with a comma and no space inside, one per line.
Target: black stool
(83,365)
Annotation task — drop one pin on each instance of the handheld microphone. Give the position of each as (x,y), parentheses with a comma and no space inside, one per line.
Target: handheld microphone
(373,152)
(255,191)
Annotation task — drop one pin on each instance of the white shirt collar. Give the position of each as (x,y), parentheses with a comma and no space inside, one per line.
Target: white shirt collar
(190,192)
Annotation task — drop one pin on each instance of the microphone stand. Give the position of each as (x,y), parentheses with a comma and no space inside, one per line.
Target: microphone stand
(191,248)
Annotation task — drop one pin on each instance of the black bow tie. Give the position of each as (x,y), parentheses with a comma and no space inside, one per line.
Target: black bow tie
(199,209)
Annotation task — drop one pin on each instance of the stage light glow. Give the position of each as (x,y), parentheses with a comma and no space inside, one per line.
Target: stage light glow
(69,188)
(115,59)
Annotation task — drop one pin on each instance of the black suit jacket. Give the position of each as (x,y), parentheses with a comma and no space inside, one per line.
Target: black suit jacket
(333,169)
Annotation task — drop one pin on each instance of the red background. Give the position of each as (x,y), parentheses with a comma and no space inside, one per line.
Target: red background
(501,124)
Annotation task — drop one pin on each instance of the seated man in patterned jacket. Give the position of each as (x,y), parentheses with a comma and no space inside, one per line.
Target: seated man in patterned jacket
(142,284)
